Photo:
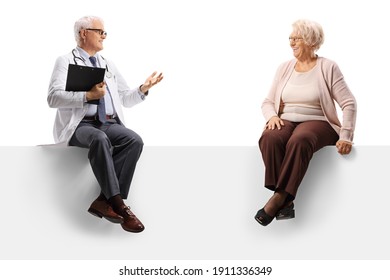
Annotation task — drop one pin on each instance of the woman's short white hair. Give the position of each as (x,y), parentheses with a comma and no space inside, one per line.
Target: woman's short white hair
(83,23)
(311,32)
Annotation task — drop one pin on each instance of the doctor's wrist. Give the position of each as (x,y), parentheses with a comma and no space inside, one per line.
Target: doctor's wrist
(143,89)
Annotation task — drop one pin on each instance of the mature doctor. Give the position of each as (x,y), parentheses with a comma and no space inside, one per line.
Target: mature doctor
(94,120)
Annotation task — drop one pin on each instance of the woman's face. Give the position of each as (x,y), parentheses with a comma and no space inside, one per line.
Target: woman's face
(298,46)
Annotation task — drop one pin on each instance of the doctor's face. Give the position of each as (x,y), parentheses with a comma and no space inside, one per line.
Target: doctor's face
(93,37)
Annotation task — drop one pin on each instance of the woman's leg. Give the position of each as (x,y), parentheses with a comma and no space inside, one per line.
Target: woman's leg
(272,146)
(306,138)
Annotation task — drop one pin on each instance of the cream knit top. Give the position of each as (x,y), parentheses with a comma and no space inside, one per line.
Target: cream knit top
(301,98)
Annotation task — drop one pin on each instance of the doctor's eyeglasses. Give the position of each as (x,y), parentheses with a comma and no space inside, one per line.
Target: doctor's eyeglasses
(99,31)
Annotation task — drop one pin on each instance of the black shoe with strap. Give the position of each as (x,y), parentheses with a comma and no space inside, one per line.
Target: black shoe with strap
(263,218)
(285,213)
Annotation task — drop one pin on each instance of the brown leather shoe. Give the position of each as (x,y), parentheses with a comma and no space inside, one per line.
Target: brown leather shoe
(131,222)
(101,208)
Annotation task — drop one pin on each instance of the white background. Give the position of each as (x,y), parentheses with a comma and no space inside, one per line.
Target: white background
(218,58)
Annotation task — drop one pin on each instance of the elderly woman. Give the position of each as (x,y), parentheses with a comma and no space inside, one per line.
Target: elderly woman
(302,118)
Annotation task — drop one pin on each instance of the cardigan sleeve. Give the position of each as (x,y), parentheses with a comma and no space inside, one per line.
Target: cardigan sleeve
(341,93)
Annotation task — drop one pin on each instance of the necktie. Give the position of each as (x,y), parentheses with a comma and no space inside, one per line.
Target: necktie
(101,107)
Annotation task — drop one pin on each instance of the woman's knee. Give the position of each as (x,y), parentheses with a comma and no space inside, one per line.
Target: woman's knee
(302,141)
(269,138)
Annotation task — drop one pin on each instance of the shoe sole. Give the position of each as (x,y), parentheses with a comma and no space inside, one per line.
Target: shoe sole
(287,216)
(133,231)
(99,215)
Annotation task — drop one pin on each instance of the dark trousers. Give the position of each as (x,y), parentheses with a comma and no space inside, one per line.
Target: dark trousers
(113,154)
(288,151)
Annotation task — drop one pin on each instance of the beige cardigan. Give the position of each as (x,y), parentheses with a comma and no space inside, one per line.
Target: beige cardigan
(332,87)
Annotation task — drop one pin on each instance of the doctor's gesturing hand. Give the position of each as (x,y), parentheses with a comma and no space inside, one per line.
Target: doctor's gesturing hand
(151,81)
(96,92)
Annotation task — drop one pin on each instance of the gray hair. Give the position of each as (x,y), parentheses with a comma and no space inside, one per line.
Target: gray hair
(311,32)
(83,23)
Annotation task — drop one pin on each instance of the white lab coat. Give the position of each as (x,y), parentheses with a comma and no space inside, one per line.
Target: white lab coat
(71,107)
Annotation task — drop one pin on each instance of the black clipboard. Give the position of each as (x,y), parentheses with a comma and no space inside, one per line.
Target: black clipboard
(83,78)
